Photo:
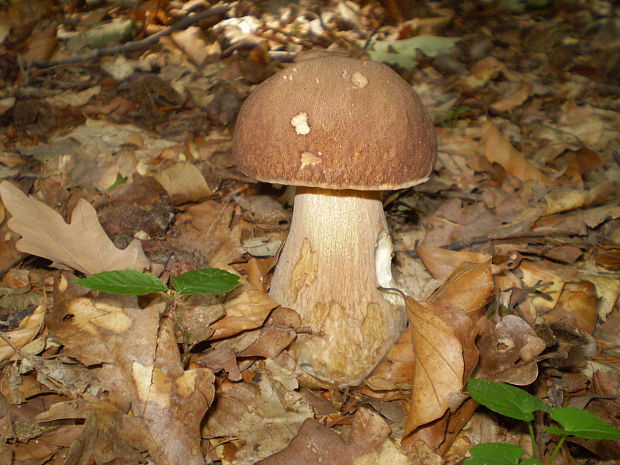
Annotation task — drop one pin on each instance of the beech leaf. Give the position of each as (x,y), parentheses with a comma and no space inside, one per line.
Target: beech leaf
(82,245)
(439,366)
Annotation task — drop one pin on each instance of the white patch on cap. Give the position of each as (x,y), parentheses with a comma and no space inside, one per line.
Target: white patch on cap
(359,80)
(309,159)
(300,123)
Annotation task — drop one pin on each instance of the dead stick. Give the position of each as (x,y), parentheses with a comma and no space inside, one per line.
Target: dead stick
(138,44)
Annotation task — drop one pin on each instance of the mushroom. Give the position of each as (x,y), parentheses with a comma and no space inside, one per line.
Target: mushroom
(341,130)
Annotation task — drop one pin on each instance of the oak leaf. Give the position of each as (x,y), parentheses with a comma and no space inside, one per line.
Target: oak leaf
(82,245)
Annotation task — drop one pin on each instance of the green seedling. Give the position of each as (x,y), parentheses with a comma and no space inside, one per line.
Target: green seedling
(518,404)
(131,282)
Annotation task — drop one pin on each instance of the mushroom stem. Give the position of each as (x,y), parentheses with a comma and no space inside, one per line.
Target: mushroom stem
(327,273)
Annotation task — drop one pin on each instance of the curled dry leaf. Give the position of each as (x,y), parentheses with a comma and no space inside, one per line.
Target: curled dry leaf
(28,329)
(248,310)
(469,288)
(99,437)
(82,245)
(184,183)
(513,99)
(439,366)
(578,303)
(458,301)
(442,262)
(262,413)
(570,199)
(368,443)
(508,352)
(276,334)
(499,150)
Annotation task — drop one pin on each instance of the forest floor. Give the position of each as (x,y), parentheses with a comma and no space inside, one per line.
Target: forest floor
(116,118)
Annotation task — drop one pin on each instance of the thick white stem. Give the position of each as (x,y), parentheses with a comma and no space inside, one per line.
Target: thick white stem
(328,273)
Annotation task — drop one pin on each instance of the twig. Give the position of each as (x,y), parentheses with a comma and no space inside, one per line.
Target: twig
(138,44)
(458,245)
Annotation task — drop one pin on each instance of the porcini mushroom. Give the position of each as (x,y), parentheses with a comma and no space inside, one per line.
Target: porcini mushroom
(342,130)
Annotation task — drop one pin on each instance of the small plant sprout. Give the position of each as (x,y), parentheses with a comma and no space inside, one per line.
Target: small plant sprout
(131,282)
(518,404)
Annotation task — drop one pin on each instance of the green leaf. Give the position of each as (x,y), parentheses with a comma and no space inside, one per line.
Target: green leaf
(205,281)
(531,462)
(505,399)
(583,424)
(127,282)
(556,430)
(403,52)
(491,453)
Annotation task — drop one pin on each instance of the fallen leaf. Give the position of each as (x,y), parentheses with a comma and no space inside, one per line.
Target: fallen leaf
(41,46)
(439,366)
(570,199)
(508,351)
(262,413)
(28,329)
(442,262)
(368,444)
(579,303)
(513,99)
(499,150)
(82,245)
(139,365)
(192,42)
(248,310)
(469,288)
(72,98)
(548,285)
(184,183)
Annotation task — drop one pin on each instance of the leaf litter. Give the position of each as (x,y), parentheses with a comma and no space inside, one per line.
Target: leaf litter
(509,253)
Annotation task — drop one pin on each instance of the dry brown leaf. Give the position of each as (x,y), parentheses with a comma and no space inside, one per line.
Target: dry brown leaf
(41,46)
(439,366)
(313,444)
(513,99)
(548,285)
(140,367)
(82,245)
(569,199)
(262,413)
(192,42)
(184,183)
(71,98)
(368,444)
(508,351)
(499,150)
(28,329)
(211,229)
(276,334)
(107,433)
(579,303)
(442,262)
(222,359)
(248,310)
(397,368)
(42,449)
(174,403)
(483,71)
(469,288)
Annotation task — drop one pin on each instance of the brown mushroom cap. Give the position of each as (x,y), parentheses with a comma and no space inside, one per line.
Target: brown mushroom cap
(336,123)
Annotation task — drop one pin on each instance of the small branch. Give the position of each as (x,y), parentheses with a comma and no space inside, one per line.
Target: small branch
(138,44)
(458,245)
